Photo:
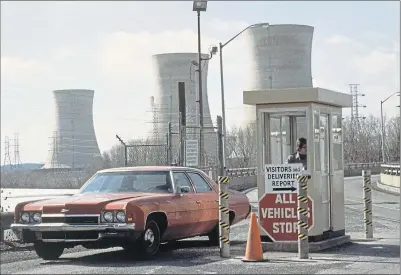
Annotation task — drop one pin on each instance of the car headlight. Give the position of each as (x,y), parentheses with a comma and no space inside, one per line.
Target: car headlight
(108,216)
(120,216)
(25,217)
(37,217)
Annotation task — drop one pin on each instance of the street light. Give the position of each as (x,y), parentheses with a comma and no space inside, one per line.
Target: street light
(223,108)
(199,6)
(382,121)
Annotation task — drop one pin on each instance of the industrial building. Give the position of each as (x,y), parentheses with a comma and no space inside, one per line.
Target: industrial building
(281,57)
(172,68)
(73,144)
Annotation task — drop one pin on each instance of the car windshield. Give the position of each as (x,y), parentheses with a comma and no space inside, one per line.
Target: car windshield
(129,182)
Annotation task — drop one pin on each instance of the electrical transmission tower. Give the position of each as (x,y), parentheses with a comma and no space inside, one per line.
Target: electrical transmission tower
(55,163)
(355,120)
(355,103)
(17,158)
(7,157)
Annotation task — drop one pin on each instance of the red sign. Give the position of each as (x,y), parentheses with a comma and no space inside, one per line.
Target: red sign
(278,216)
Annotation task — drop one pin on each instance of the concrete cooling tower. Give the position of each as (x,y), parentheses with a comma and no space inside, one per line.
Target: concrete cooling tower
(74,143)
(281,57)
(172,68)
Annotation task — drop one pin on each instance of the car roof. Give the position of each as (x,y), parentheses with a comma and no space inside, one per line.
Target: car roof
(150,168)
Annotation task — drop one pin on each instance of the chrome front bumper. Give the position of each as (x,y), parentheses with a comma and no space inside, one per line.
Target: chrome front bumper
(100,230)
(47,227)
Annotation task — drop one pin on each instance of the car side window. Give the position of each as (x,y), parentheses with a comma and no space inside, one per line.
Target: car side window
(200,184)
(180,180)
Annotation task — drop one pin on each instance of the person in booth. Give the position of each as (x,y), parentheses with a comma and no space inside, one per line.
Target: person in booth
(300,155)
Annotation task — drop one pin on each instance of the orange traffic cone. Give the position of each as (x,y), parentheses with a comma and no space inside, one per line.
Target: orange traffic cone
(254,251)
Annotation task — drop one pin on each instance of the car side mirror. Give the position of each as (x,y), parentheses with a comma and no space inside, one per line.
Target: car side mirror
(185,189)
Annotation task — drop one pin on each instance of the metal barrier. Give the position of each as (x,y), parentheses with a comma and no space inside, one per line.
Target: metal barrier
(390,177)
(244,172)
(390,169)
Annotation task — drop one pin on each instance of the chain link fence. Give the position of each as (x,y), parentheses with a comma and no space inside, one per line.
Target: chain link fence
(147,152)
(210,156)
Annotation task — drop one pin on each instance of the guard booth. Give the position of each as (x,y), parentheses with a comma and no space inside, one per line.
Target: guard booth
(283,116)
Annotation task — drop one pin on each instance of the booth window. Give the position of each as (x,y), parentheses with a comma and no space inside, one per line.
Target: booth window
(316,138)
(324,143)
(337,142)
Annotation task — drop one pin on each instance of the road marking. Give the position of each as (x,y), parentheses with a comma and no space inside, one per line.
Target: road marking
(153,270)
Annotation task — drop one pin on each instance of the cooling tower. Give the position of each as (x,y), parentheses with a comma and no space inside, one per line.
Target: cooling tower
(172,68)
(281,57)
(74,143)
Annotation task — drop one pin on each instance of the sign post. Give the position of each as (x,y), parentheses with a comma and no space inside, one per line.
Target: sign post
(191,152)
(303,225)
(278,207)
(367,198)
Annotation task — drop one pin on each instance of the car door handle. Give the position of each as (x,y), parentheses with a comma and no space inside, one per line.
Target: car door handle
(217,200)
(198,201)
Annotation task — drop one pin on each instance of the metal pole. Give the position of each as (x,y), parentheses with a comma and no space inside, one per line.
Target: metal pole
(224,212)
(200,94)
(303,223)
(220,146)
(367,198)
(223,108)
(170,144)
(382,122)
(181,136)
(125,155)
(125,150)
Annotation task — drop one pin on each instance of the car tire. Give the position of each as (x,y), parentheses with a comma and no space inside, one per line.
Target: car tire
(149,242)
(214,237)
(48,251)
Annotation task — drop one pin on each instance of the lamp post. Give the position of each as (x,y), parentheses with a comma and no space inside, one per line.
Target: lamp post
(199,6)
(382,123)
(223,108)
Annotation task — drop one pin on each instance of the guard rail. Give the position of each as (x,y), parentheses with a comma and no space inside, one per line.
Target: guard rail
(390,177)
(390,169)
(244,172)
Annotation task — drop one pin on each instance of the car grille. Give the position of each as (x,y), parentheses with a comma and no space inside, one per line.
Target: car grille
(72,219)
(70,235)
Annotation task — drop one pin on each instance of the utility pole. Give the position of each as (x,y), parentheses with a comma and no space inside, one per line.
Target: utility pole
(200,94)
(125,151)
(183,120)
(220,145)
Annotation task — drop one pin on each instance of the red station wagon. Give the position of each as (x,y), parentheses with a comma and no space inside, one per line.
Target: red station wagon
(136,208)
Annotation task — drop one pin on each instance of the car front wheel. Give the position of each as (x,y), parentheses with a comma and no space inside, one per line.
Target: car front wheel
(149,241)
(48,251)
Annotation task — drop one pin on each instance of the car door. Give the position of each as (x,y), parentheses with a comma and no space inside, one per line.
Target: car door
(187,207)
(209,214)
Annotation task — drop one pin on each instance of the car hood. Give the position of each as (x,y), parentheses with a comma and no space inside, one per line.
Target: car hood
(81,203)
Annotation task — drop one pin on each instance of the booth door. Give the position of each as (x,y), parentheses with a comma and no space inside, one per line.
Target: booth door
(322,151)
(325,166)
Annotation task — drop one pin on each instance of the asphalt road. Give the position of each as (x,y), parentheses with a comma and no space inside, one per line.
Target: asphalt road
(195,256)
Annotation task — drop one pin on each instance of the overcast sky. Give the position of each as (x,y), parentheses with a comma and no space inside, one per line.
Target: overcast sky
(107,46)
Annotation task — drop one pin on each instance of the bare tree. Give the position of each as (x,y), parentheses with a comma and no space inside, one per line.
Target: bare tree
(392,139)
(241,143)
